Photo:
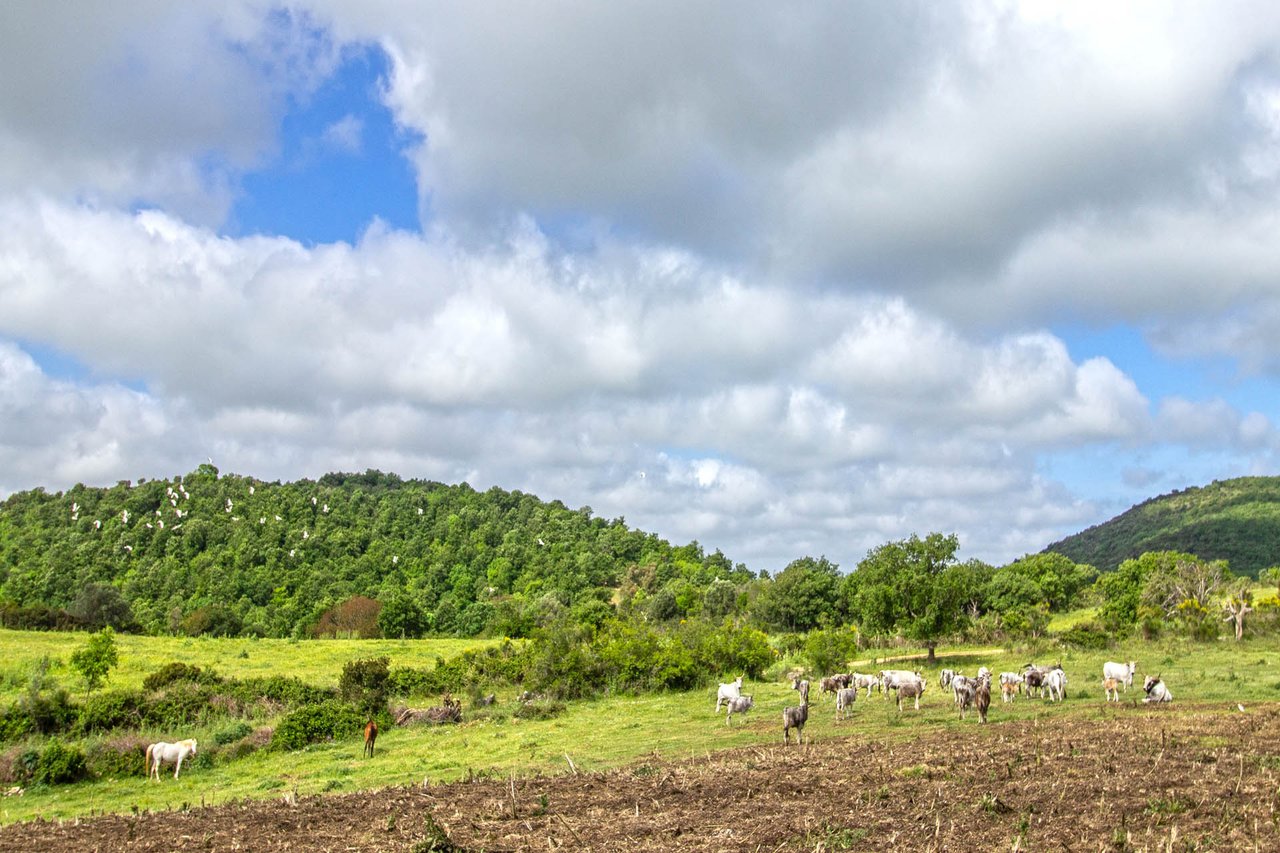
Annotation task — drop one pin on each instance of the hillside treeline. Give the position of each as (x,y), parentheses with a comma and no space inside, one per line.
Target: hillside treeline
(368,555)
(204,553)
(1234,520)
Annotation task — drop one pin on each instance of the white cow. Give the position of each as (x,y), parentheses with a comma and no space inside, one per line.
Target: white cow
(893,679)
(1056,683)
(1121,672)
(729,691)
(1156,691)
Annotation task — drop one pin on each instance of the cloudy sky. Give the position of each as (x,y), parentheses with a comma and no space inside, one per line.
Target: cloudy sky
(785,280)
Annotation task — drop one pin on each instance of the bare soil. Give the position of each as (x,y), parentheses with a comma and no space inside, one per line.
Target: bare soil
(1127,778)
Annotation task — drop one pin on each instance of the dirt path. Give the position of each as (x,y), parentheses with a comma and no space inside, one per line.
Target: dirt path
(1127,778)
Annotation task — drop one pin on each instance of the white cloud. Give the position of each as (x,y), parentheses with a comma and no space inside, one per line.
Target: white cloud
(800,267)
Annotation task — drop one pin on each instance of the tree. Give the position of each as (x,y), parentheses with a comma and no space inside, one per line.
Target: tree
(1171,586)
(914,586)
(100,605)
(1122,590)
(401,617)
(1239,603)
(801,597)
(96,659)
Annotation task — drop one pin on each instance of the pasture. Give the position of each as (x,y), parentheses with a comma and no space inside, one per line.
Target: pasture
(652,730)
(316,661)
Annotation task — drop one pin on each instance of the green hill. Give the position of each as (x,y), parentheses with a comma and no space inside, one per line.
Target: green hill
(1234,520)
(269,558)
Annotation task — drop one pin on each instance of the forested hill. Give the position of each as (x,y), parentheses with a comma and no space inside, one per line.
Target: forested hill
(1234,520)
(270,558)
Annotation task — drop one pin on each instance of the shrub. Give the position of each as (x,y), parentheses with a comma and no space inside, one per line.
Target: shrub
(213,621)
(117,709)
(118,757)
(410,681)
(364,683)
(731,648)
(177,671)
(179,706)
(232,733)
(1086,635)
(38,713)
(315,723)
(60,763)
(284,689)
(828,650)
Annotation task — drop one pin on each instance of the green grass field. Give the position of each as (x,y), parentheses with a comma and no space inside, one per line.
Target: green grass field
(317,662)
(597,734)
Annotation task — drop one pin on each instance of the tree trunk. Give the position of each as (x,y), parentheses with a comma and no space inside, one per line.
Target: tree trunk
(932,657)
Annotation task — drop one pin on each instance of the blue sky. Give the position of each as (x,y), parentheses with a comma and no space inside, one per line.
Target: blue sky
(341,162)
(787,281)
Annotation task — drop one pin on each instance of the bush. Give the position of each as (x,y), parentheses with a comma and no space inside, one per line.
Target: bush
(232,733)
(117,709)
(283,689)
(827,651)
(730,648)
(364,684)
(179,706)
(38,713)
(176,671)
(119,757)
(60,764)
(1087,635)
(409,681)
(315,723)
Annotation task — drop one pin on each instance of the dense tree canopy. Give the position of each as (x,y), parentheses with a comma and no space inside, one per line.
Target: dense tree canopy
(212,553)
(915,586)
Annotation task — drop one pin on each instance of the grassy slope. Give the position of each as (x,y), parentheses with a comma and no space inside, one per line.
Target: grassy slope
(317,662)
(1236,520)
(629,729)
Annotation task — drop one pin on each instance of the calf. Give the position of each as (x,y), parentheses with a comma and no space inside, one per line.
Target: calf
(910,690)
(794,718)
(944,678)
(802,686)
(845,697)
(1121,672)
(1155,690)
(732,690)
(1010,684)
(739,705)
(1111,687)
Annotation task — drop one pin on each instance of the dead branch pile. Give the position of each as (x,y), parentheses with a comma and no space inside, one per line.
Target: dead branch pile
(448,712)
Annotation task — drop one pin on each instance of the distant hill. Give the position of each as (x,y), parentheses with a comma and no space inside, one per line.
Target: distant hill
(269,558)
(1234,520)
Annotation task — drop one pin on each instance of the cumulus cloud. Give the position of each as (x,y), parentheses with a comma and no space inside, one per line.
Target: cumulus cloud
(782,280)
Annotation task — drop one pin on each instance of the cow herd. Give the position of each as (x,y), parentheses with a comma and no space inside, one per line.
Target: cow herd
(969,693)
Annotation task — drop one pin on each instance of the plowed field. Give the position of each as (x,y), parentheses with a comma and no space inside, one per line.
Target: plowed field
(1131,778)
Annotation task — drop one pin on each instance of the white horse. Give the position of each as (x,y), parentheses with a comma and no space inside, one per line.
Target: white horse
(168,753)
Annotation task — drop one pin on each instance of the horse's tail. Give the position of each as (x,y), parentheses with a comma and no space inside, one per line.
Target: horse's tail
(146,768)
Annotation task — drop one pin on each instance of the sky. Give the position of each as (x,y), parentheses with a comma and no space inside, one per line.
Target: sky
(785,280)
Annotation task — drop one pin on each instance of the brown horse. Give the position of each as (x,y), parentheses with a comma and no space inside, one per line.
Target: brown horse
(370,735)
